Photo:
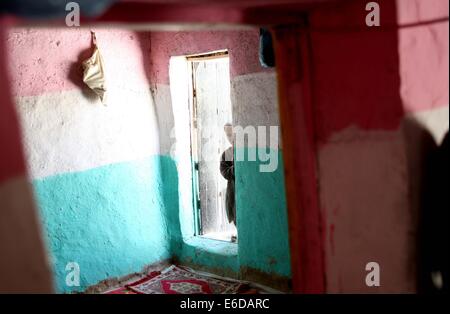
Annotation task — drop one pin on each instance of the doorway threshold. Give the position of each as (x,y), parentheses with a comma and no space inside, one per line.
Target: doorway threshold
(226,236)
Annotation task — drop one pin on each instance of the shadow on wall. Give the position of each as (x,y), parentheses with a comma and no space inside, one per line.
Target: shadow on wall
(419,146)
(434,216)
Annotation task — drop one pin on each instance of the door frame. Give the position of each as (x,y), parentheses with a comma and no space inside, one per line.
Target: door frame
(193,134)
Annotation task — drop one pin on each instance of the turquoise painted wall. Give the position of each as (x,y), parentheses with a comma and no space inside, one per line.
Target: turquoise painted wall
(262,216)
(114,220)
(110,220)
(262,225)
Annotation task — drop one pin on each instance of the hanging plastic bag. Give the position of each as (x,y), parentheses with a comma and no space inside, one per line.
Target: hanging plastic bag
(94,72)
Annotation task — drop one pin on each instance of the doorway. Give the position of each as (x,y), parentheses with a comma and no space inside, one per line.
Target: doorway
(211,114)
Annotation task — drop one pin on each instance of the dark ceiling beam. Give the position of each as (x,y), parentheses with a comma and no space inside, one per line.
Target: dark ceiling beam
(211,12)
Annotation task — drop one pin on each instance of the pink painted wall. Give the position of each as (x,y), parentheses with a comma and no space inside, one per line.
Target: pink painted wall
(371,77)
(356,79)
(241,45)
(423,54)
(50,59)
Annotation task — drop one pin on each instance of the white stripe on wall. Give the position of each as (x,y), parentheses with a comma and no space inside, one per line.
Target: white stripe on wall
(70,131)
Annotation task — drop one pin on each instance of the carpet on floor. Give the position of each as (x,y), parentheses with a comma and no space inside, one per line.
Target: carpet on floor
(183,280)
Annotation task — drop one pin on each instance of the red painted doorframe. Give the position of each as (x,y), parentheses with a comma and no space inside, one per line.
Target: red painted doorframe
(292,51)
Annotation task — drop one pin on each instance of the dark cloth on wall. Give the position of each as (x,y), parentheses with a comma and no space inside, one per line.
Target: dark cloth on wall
(227,171)
(266,53)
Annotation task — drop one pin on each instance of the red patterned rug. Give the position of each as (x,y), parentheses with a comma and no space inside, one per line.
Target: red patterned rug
(182,280)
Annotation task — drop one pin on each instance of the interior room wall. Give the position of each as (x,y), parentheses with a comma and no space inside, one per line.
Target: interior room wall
(96,170)
(111,196)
